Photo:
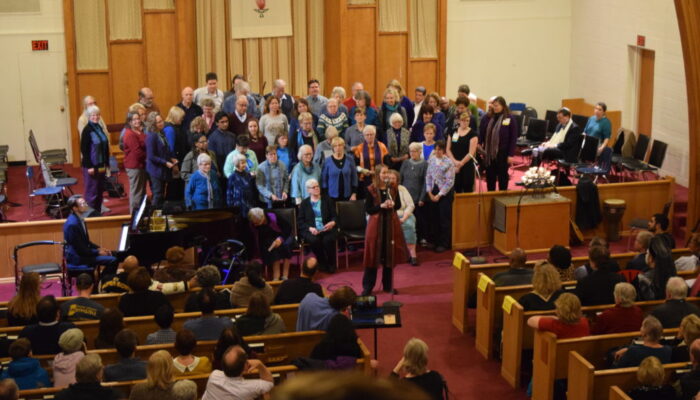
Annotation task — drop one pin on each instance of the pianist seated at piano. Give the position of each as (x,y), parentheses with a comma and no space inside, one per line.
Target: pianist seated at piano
(79,249)
(203,191)
(119,283)
(274,247)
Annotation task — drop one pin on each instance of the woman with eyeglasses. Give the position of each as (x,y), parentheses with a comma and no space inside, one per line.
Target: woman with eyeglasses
(189,164)
(317,218)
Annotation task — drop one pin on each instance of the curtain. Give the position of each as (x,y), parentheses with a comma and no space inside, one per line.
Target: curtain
(300,48)
(159,4)
(424,25)
(316,38)
(211,39)
(124,19)
(90,34)
(392,16)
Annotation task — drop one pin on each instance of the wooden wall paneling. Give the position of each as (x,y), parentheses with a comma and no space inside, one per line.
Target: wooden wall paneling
(161,55)
(361,48)
(688,13)
(96,84)
(127,71)
(442,46)
(268,62)
(236,58)
(299,47)
(316,40)
(335,50)
(423,72)
(285,60)
(186,42)
(75,108)
(392,61)
(252,64)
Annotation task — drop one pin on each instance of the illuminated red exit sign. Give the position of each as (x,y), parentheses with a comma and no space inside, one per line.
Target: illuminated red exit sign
(40,45)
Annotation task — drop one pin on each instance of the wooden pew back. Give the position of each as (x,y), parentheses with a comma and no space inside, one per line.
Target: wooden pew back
(617,394)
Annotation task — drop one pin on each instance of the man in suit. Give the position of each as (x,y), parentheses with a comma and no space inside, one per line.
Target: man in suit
(563,143)
(319,233)
(79,249)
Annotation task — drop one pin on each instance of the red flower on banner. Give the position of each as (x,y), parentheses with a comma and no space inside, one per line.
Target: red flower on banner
(261,10)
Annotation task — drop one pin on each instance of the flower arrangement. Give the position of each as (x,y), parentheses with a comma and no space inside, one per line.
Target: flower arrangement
(537,177)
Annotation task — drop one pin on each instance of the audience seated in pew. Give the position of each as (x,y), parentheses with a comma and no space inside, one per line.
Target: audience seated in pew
(338,348)
(675,307)
(624,317)
(250,283)
(175,269)
(186,363)
(128,368)
(207,277)
(72,343)
(44,335)
(585,269)
(111,322)
(688,332)
(119,283)
(25,370)
(88,375)
(651,377)
(159,379)
(546,288)
(691,262)
(598,285)
(142,300)
(413,367)
(208,326)
(658,225)
(82,307)
(690,382)
(164,318)
(21,310)
(229,337)
(560,257)
(652,283)
(292,291)
(229,383)
(185,389)
(641,244)
(259,319)
(518,273)
(316,312)
(633,355)
(568,321)
(8,389)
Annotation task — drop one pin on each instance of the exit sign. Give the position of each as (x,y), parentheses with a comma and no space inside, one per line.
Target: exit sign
(40,45)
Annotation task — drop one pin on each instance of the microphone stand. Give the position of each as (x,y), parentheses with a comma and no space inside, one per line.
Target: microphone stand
(391,302)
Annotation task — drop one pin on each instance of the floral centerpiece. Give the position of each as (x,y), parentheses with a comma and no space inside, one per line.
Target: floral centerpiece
(538,178)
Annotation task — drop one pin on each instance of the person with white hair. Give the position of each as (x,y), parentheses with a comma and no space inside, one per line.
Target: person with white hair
(83,119)
(274,246)
(94,151)
(88,374)
(203,191)
(338,93)
(398,138)
(184,389)
(675,307)
(240,188)
(317,219)
(332,116)
(304,170)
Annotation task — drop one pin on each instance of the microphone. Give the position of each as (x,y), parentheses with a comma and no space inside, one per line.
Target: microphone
(388,189)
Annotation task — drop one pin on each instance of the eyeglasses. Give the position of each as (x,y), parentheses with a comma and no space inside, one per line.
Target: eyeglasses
(203,141)
(312,187)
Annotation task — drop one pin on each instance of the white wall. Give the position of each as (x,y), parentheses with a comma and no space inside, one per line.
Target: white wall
(601,31)
(515,48)
(16,33)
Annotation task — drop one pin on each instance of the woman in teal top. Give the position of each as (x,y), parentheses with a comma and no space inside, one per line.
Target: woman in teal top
(598,125)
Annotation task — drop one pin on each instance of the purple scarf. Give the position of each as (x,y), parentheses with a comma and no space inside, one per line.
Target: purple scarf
(365,155)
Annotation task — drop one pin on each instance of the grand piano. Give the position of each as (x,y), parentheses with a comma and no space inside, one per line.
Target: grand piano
(151,233)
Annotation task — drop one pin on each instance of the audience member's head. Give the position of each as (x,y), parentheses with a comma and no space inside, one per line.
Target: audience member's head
(206,300)
(258,306)
(175,255)
(340,332)
(125,342)
(129,264)
(342,298)
(598,257)
(545,280)
(8,390)
(415,355)
(139,280)
(47,309)
(651,372)
(84,282)
(689,329)
(229,337)
(185,342)
(159,370)
(598,241)
(568,308)
(111,322)
(71,340)
(184,389)
(308,267)
(89,369)
(254,272)
(659,258)
(676,288)
(625,294)
(208,276)
(25,301)
(20,348)
(559,256)
(694,243)
(164,316)
(517,258)
(234,361)
(651,329)
(641,242)
(658,223)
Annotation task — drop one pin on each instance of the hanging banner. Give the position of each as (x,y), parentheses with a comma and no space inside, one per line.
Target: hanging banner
(260,18)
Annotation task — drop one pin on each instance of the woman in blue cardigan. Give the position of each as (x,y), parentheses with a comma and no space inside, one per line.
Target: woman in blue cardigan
(339,175)
(160,161)
(203,191)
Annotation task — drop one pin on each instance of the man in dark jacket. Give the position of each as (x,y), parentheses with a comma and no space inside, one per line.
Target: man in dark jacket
(293,290)
(599,286)
(658,224)
(518,273)
(317,219)
(88,374)
(79,249)
(44,335)
(129,368)
(675,307)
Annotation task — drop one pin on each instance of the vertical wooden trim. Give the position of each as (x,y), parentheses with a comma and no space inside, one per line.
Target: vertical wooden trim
(144,58)
(442,46)
(110,77)
(227,48)
(407,49)
(75,107)
(261,78)
(307,32)
(688,13)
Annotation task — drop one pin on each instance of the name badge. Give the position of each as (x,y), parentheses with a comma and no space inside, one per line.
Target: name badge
(455,137)
(506,122)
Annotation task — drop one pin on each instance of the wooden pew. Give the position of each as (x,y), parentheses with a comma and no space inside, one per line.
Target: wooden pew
(588,383)
(465,280)
(146,324)
(617,394)
(551,356)
(517,336)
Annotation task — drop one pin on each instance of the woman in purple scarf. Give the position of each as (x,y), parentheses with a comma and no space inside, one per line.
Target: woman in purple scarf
(498,133)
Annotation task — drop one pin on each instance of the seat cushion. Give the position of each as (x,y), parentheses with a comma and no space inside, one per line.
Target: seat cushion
(42,269)
(354,234)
